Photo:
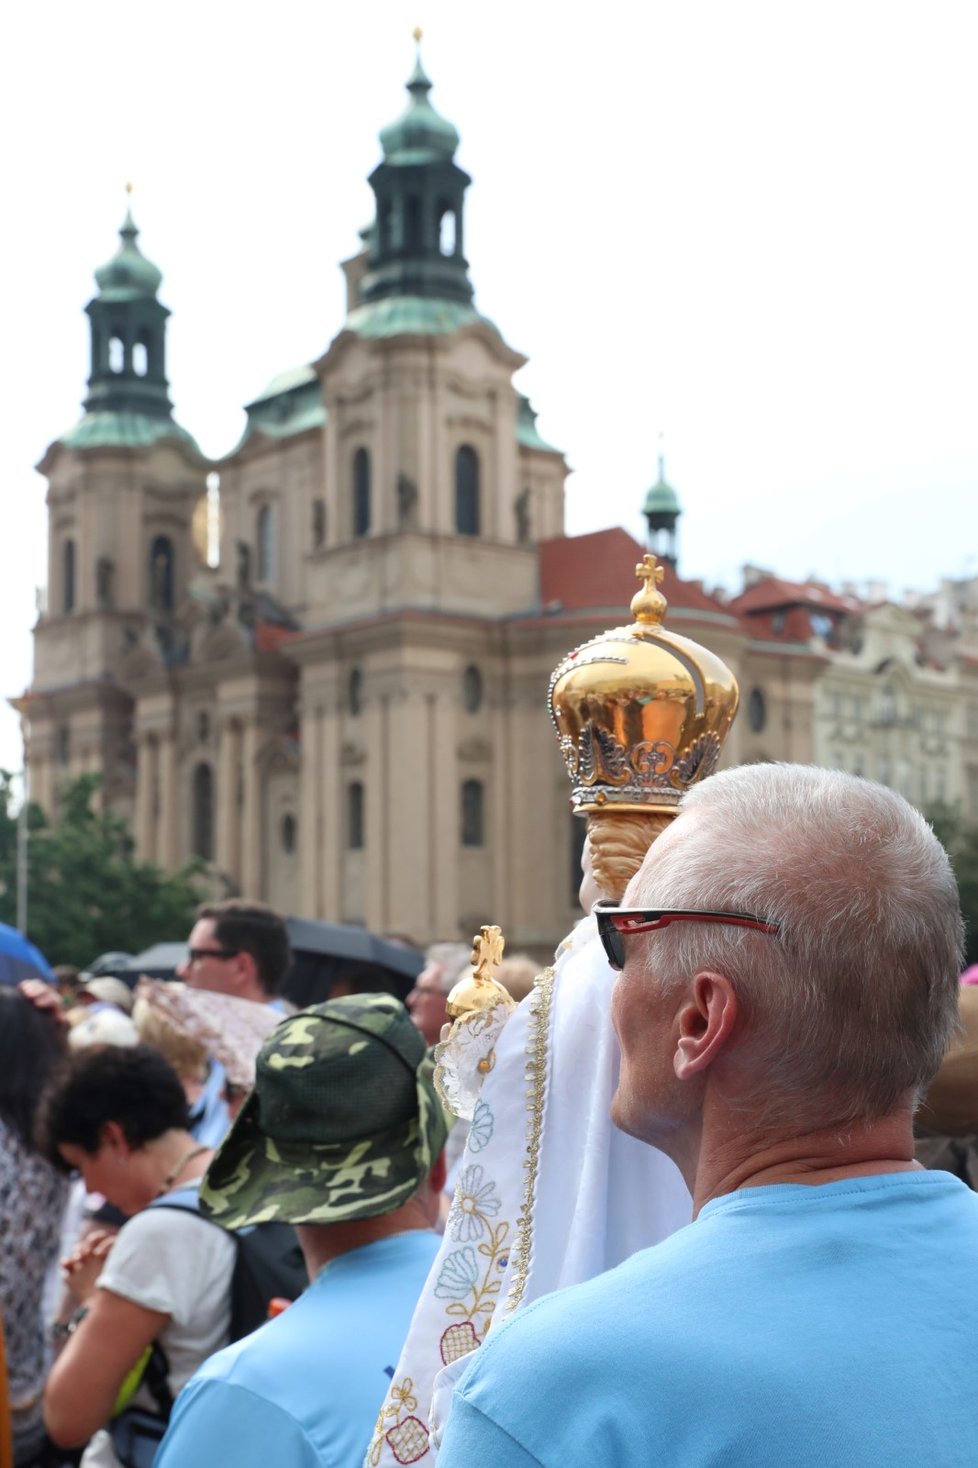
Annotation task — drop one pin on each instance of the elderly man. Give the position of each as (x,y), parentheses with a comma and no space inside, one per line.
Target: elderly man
(444,965)
(789,958)
(342,1136)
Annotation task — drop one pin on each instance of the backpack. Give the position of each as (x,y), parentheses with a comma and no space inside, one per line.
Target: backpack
(269,1265)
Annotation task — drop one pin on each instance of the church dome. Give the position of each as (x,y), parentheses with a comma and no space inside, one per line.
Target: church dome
(128,274)
(661,499)
(420,134)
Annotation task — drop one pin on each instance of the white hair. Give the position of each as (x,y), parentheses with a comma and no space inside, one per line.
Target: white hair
(854,1003)
(453,959)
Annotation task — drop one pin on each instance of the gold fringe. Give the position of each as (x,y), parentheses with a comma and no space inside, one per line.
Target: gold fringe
(536,1076)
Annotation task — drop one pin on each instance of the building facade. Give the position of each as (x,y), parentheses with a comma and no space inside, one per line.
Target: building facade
(346,714)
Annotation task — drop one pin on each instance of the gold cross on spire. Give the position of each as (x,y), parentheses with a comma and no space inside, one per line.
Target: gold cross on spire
(417,33)
(648,604)
(649,571)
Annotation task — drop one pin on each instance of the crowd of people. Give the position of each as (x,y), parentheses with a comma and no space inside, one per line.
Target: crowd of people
(684,1220)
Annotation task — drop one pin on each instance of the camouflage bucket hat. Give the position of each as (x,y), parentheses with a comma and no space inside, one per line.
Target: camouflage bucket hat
(343,1122)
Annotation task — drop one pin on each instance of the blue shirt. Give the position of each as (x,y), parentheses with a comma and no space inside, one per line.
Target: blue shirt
(304,1390)
(832,1326)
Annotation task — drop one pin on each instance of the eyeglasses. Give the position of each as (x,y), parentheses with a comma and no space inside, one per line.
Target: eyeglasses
(615,923)
(197,955)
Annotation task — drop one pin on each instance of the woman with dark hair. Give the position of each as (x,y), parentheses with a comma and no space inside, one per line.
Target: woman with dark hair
(32,1202)
(119,1117)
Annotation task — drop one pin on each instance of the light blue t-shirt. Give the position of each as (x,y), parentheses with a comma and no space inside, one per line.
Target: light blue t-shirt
(833,1326)
(304,1390)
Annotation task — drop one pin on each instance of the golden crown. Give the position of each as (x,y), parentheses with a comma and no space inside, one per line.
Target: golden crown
(640,713)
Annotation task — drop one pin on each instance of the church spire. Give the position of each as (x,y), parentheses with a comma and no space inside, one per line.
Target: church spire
(662,511)
(128,326)
(416,247)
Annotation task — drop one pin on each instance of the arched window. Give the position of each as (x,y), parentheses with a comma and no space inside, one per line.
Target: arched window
(472,812)
(288,833)
(266,543)
(472,689)
(354,816)
(161,574)
(467,491)
(203,813)
(354,692)
(578,832)
(117,354)
(140,359)
(412,231)
(68,577)
(361,492)
(446,229)
(318,522)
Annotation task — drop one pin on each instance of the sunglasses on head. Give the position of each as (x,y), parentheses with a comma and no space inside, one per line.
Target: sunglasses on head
(616,923)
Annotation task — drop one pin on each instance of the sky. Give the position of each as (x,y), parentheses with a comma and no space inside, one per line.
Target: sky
(744,235)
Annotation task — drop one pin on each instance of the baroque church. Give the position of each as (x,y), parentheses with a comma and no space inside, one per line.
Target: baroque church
(346,715)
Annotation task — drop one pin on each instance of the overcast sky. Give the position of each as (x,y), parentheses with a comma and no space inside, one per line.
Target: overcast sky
(749,228)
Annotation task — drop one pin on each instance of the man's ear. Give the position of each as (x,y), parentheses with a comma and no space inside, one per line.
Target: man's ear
(706,1021)
(112,1136)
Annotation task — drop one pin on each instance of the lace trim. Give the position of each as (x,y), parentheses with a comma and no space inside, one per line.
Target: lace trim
(536,1095)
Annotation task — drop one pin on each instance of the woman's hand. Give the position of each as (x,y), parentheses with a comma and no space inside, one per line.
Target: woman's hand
(82,1267)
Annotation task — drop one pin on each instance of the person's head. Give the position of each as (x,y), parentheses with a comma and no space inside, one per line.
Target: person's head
(445,963)
(516,974)
(187,1055)
(240,948)
(103,1115)
(31,1047)
(93,989)
(839,1018)
(343,1125)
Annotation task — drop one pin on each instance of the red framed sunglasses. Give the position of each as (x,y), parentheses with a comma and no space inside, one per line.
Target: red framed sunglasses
(616,923)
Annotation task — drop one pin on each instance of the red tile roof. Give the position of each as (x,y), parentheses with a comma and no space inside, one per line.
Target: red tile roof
(772,593)
(578,572)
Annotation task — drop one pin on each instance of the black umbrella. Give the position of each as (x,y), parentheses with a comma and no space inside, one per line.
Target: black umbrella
(340,958)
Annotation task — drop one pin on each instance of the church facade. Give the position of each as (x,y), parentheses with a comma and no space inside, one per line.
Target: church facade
(346,714)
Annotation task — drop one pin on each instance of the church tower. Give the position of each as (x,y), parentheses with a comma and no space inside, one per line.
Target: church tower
(662,511)
(123,485)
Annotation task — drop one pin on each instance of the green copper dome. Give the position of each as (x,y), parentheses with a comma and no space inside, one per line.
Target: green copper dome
(420,134)
(661,498)
(128,275)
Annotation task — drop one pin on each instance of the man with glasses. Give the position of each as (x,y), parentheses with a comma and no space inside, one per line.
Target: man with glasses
(240,948)
(788,957)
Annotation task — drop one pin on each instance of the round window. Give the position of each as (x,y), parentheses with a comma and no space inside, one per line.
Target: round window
(756,710)
(472,689)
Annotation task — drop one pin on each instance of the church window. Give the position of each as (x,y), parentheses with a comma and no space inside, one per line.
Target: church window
(413,239)
(472,689)
(578,832)
(354,816)
(117,354)
(140,359)
(161,588)
(266,543)
(472,812)
(203,727)
(467,491)
(203,813)
(318,522)
(288,833)
(354,692)
(361,492)
(68,577)
(756,710)
(64,745)
(446,229)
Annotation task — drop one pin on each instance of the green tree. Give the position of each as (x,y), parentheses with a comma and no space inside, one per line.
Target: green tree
(87,893)
(960,840)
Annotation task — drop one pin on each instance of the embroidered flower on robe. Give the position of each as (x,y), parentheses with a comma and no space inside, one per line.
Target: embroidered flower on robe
(458,1275)
(480,1131)
(474,1204)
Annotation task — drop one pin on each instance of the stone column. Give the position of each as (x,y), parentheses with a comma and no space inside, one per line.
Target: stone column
(251,863)
(146,825)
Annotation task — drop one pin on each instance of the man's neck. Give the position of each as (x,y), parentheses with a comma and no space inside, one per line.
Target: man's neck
(323,1242)
(726,1162)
